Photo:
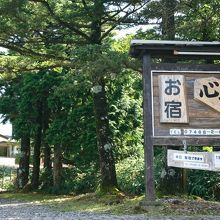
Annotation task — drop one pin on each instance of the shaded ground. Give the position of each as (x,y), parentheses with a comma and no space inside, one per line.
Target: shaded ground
(186,207)
(11,209)
(93,207)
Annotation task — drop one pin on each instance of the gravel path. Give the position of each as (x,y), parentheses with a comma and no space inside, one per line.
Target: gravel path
(11,209)
(17,210)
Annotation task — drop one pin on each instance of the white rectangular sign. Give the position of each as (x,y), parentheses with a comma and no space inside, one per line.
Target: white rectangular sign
(194,132)
(190,160)
(201,132)
(172,93)
(188,157)
(216,160)
(193,165)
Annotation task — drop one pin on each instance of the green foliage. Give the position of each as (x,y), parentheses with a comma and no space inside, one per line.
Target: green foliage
(130,173)
(73,124)
(46,33)
(7,177)
(125,113)
(76,180)
(198,20)
(204,184)
(158,163)
(82,180)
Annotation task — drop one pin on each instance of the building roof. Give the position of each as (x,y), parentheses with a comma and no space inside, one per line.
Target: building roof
(6,141)
(3,138)
(175,49)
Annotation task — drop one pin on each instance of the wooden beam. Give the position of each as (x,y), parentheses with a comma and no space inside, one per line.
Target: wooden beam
(148,142)
(186,67)
(191,141)
(177,50)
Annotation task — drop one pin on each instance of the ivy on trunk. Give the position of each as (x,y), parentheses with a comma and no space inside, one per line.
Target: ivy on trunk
(104,141)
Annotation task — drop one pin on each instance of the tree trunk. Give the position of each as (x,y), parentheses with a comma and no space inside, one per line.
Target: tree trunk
(57,167)
(47,158)
(172,179)
(104,142)
(168,19)
(48,179)
(23,170)
(37,148)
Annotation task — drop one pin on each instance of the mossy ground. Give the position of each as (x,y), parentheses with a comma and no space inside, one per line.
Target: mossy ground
(120,204)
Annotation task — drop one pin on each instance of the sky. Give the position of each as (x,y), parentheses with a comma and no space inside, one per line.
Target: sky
(6,129)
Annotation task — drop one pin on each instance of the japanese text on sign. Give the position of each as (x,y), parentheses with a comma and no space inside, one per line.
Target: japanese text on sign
(216,159)
(172,99)
(188,157)
(207,91)
(194,132)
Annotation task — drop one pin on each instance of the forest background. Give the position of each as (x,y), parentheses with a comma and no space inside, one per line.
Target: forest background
(74,96)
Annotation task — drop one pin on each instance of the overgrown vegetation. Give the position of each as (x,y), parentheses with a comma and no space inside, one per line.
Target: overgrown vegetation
(7,177)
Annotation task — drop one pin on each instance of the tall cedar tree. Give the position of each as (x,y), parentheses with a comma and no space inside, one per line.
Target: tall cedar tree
(171,178)
(49,32)
(10,109)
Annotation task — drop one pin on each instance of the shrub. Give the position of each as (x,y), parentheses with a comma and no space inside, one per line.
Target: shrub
(7,177)
(79,180)
(204,184)
(130,175)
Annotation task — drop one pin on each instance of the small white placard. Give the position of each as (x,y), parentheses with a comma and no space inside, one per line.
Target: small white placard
(216,160)
(175,131)
(194,160)
(193,165)
(190,160)
(188,157)
(201,132)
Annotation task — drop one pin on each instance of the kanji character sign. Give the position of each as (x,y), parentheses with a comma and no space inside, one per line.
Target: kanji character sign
(172,94)
(207,91)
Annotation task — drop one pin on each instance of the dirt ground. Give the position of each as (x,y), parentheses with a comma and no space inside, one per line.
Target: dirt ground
(185,207)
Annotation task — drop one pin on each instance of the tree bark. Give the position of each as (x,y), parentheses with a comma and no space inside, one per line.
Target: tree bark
(47,158)
(48,180)
(37,148)
(23,170)
(104,141)
(168,19)
(103,134)
(172,179)
(57,167)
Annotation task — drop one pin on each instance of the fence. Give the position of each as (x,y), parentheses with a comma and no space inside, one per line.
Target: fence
(7,172)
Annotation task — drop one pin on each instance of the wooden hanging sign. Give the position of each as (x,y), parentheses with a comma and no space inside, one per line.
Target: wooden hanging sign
(172,94)
(186,106)
(194,160)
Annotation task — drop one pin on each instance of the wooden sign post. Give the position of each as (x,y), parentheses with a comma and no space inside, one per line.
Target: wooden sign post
(148,141)
(180,102)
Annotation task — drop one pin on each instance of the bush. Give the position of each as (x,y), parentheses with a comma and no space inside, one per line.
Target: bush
(79,180)
(7,177)
(130,175)
(204,184)
(75,180)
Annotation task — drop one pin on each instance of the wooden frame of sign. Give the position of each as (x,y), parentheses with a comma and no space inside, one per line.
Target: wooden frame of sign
(183,117)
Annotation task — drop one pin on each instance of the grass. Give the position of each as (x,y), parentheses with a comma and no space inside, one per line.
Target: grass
(119,204)
(91,202)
